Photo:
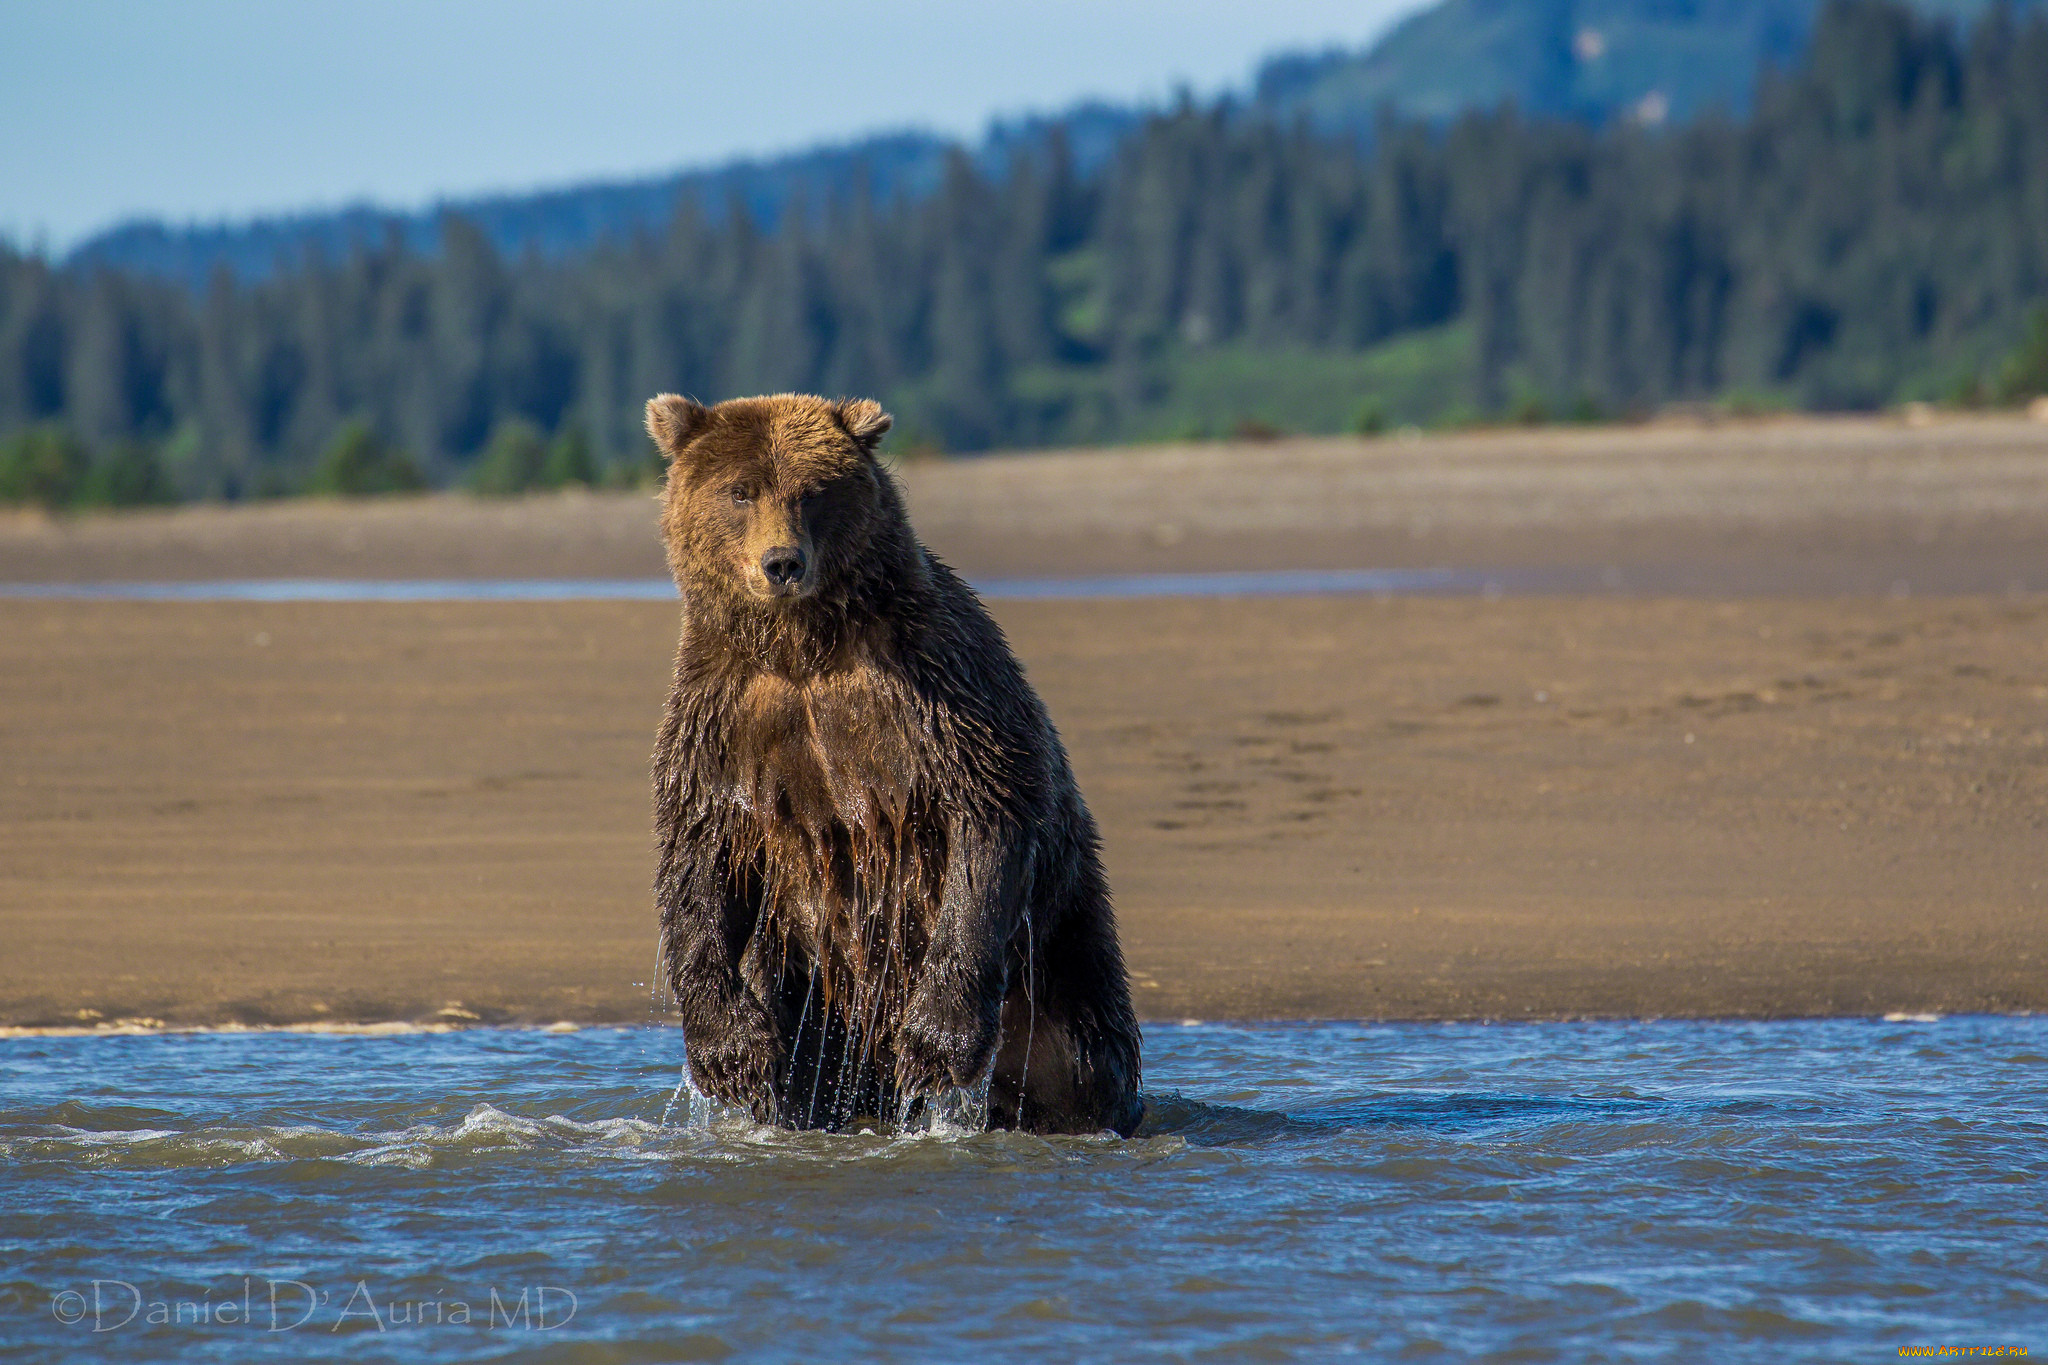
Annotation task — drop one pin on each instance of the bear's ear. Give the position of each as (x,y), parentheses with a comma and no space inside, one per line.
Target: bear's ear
(864,421)
(674,421)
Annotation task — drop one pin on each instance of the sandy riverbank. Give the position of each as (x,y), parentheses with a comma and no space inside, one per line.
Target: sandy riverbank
(1314,807)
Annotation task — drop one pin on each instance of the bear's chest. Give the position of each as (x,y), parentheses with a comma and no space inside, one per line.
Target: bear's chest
(831,779)
(827,759)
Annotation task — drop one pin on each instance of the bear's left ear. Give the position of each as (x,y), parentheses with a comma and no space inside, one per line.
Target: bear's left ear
(674,421)
(864,421)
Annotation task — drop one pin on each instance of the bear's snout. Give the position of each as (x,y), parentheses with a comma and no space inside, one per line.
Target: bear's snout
(783,567)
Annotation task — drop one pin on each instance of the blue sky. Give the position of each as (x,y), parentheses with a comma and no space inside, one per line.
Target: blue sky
(208,109)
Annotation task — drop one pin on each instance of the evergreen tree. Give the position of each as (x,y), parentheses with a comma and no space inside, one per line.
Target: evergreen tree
(569,461)
(2025,372)
(131,475)
(514,462)
(358,463)
(43,465)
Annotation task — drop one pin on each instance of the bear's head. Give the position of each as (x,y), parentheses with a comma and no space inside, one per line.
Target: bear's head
(773,500)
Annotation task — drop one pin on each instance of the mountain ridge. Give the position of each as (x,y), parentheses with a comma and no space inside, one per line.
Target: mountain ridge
(1649,60)
(571,218)
(1652,61)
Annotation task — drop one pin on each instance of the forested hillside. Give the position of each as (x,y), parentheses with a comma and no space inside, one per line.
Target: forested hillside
(1878,228)
(566,221)
(1649,60)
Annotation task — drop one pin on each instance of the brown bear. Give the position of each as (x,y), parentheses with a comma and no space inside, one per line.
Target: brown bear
(877,877)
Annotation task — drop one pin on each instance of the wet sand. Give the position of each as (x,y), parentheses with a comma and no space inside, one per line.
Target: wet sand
(1724,789)
(1312,807)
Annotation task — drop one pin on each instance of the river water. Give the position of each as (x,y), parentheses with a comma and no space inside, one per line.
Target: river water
(1826,1190)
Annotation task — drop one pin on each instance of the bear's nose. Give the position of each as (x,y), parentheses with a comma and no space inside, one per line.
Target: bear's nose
(783,566)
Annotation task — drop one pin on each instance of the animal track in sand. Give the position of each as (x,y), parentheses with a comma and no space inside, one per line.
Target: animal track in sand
(1261,778)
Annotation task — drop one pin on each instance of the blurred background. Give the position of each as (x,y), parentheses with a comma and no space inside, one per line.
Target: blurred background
(255,251)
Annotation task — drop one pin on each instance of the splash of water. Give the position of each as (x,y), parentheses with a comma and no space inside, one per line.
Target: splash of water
(686,1095)
(958,1111)
(962,1109)
(699,1112)
(1030,1015)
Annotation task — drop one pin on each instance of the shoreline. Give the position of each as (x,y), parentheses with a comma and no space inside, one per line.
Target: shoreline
(130,1028)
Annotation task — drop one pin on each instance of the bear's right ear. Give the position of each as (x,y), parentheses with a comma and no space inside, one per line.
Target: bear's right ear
(674,421)
(864,421)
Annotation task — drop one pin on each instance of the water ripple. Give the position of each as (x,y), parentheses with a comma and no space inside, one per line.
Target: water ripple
(1797,1191)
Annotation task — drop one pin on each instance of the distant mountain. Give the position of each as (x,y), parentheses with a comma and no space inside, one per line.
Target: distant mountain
(552,222)
(563,221)
(1651,60)
(1585,59)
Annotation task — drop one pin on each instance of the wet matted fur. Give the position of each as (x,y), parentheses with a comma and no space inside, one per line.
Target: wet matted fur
(877,876)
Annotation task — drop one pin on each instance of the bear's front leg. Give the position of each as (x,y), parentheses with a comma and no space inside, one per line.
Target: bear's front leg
(947,1035)
(731,1048)
(728,1033)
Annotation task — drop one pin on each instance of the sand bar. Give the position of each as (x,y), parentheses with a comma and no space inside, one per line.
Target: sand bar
(1416,808)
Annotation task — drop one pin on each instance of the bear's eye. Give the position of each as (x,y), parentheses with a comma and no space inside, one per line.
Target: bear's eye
(741,495)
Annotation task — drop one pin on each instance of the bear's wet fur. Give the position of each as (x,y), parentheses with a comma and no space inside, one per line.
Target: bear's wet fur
(877,877)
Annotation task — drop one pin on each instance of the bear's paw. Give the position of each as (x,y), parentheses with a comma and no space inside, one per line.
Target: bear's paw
(735,1062)
(945,1040)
